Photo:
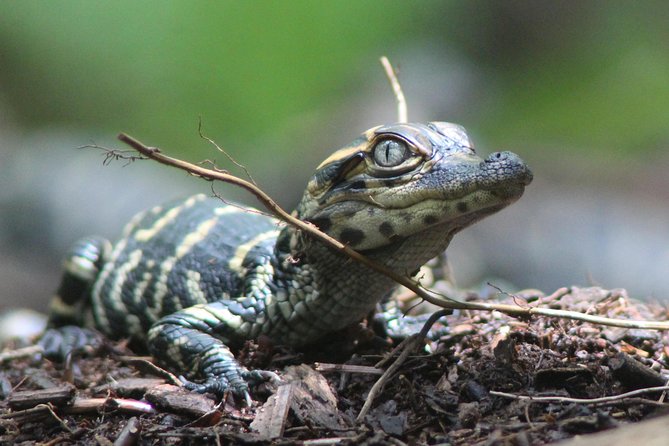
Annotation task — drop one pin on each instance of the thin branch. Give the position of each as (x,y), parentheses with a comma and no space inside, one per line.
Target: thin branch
(24,352)
(147,363)
(407,346)
(402,112)
(49,408)
(601,400)
(346,368)
(220,149)
(115,155)
(238,206)
(130,433)
(428,295)
(96,405)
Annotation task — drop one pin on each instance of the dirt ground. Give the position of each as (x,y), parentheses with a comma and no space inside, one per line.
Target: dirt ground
(469,387)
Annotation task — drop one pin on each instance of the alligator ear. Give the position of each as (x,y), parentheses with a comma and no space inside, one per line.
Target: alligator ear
(332,173)
(336,167)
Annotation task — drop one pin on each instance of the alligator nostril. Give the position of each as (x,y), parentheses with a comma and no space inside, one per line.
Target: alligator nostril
(497,157)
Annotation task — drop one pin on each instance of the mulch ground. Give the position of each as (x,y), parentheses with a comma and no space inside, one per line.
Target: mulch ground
(471,388)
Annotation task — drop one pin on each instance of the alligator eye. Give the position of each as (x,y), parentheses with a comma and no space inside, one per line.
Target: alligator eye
(390,152)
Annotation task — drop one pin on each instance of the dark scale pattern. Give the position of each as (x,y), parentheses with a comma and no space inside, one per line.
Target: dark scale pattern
(193,278)
(386,229)
(351,236)
(209,257)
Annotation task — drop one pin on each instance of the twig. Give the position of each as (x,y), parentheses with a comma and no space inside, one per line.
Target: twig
(230,157)
(238,206)
(130,433)
(330,441)
(429,296)
(408,345)
(49,408)
(346,368)
(402,113)
(95,405)
(152,368)
(25,352)
(114,155)
(601,400)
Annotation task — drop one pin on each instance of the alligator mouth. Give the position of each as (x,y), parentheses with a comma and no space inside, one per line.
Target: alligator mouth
(510,192)
(505,191)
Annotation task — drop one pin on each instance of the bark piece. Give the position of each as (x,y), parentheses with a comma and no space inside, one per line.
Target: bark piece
(130,433)
(58,396)
(270,420)
(178,400)
(313,403)
(633,374)
(131,387)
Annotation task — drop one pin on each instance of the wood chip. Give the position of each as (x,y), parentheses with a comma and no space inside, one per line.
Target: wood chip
(130,433)
(57,396)
(313,403)
(178,400)
(270,420)
(131,387)
(633,374)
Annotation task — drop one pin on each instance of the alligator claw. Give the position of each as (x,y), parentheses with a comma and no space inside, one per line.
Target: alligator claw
(220,385)
(399,326)
(62,342)
(260,376)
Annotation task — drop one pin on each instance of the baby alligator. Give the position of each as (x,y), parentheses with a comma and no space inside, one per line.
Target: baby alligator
(192,279)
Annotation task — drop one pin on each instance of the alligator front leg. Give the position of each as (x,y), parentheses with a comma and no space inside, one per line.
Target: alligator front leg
(193,341)
(64,335)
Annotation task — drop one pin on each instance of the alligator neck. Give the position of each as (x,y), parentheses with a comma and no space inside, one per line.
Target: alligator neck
(330,291)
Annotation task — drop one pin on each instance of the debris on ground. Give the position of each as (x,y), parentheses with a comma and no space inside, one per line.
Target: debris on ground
(489,379)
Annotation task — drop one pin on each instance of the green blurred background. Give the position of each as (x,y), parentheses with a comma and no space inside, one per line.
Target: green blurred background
(579,89)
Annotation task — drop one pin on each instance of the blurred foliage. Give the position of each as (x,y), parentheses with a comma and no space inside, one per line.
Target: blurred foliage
(541,78)
(566,74)
(152,68)
(589,75)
